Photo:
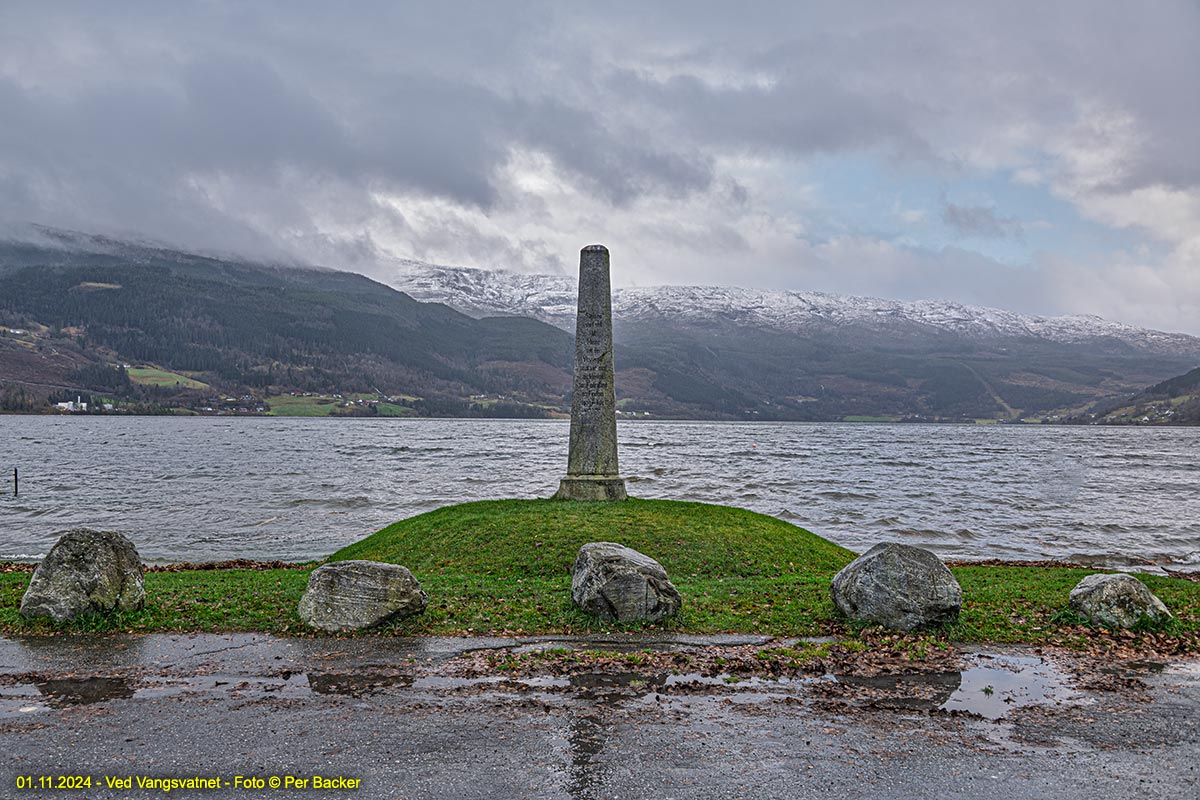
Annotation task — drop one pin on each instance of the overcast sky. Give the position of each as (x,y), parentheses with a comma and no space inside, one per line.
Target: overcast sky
(1042,157)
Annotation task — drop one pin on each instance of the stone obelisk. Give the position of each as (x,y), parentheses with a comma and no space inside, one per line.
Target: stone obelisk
(592,459)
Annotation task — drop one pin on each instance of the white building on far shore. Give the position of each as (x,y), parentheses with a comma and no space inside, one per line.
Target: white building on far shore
(72,405)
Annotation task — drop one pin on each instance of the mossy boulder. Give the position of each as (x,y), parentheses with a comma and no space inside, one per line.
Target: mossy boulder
(86,572)
(1117,601)
(898,586)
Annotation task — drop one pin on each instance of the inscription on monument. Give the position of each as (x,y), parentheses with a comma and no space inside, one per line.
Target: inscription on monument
(592,458)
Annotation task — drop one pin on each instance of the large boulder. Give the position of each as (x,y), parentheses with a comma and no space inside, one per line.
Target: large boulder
(1116,601)
(86,572)
(898,586)
(352,595)
(618,584)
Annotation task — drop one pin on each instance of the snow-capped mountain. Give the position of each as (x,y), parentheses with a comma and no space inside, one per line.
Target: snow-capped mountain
(551,298)
(683,351)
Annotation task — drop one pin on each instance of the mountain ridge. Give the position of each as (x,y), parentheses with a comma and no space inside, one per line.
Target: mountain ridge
(85,306)
(813,355)
(551,299)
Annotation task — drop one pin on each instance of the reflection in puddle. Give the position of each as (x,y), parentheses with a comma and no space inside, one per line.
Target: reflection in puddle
(991,687)
(610,683)
(357,684)
(924,692)
(1005,683)
(84,691)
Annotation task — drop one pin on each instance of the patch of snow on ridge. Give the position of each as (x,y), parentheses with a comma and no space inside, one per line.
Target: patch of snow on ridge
(551,298)
(480,292)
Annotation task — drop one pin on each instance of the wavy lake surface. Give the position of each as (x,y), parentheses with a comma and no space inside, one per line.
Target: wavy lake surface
(203,489)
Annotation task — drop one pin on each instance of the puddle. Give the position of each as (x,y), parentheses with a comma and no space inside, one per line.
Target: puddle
(84,691)
(30,698)
(925,692)
(602,683)
(990,687)
(357,684)
(1136,668)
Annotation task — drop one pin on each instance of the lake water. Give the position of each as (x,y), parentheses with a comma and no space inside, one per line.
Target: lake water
(203,489)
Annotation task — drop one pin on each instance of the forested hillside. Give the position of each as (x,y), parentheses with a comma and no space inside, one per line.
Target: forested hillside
(1175,401)
(233,328)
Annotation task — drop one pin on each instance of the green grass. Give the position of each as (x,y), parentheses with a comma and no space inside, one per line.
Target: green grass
(199,600)
(285,405)
(1028,604)
(504,567)
(539,539)
(393,410)
(147,376)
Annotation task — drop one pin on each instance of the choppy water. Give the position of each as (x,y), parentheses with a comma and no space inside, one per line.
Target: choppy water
(216,488)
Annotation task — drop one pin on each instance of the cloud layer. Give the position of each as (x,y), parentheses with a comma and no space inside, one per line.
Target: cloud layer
(1036,157)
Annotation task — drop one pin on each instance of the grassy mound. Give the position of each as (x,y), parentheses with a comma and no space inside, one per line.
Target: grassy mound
(539,539)
(505,565)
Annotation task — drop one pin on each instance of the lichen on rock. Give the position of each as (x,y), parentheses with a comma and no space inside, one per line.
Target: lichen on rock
(86,572)
(898,586)
(1117,601)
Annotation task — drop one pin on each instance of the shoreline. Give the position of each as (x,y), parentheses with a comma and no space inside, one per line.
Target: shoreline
(504,567)
(186,413)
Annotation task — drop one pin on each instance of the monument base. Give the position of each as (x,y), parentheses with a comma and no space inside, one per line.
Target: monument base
(591,487)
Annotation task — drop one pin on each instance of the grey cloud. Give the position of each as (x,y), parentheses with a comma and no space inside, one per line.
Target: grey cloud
(980,221)
(131,149)
(922,81)
(619,161)
(804,109)
(271,129)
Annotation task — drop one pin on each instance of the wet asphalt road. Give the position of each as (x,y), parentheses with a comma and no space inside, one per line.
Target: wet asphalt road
(388,713)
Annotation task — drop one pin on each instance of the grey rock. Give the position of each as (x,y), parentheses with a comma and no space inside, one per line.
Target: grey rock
(1116,601)
(619,584)
(898,586)
(352,595)
(86,572)
(592,472)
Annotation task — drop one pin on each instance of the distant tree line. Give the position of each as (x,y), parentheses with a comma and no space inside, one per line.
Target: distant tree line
(103,377)
(15,398)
